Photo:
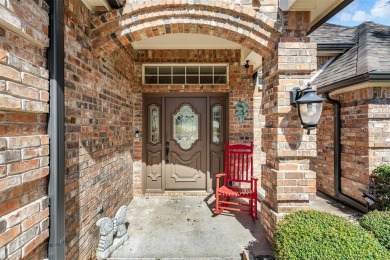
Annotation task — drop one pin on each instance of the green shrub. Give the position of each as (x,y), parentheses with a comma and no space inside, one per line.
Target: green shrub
(320,235)
(379,223)
(381,186)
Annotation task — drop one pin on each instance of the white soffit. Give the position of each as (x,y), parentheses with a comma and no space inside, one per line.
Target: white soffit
(185,41)
(179,41)
(254,59)
(285,5)
(94,5)
(304,5)
(318,8)
(322,9)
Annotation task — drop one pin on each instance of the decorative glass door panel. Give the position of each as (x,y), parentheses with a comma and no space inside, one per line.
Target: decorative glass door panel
(153,154)
(216,125)
(154,130)
(186,133)
(185,127)
(217,136)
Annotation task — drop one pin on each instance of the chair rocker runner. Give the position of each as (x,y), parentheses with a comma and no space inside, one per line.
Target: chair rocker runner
(238,181)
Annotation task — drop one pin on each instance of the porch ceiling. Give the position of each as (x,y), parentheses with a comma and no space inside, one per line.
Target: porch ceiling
(196,41)
(185,41)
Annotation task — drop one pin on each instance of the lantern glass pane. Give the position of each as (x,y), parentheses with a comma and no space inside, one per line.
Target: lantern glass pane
(310,113)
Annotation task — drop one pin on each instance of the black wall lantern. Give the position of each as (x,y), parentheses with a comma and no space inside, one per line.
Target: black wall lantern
(309,106)
(246,65)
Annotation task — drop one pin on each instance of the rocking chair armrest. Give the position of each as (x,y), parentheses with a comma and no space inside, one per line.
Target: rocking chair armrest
(219,175)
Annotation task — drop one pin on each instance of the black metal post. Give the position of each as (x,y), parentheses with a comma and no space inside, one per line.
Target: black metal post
(56,132)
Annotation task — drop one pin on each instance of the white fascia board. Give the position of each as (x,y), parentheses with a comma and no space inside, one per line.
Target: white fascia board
(285,5)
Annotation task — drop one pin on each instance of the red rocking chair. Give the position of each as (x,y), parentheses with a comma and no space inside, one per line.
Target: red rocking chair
(238,181)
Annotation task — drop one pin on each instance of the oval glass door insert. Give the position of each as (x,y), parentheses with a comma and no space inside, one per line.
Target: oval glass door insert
(185,126)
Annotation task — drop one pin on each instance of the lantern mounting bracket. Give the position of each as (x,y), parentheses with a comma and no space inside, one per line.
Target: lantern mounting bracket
(294,95)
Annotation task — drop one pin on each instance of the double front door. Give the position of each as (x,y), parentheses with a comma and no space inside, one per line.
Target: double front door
(184,140)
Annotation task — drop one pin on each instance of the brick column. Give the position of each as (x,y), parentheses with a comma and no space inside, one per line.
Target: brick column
(288,182)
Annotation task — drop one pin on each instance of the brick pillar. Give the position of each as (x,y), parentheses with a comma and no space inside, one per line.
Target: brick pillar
(286,178)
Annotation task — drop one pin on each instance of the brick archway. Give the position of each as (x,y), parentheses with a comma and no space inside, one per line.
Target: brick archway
(136,21)
(288,60)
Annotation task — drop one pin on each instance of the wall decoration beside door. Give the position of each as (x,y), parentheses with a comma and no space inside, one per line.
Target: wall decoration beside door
(242,111)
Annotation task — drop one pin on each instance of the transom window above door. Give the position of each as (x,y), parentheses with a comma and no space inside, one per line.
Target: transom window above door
(185,74)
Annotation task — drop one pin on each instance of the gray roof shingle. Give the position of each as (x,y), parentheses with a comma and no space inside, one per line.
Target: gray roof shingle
(371,52)
(333,33)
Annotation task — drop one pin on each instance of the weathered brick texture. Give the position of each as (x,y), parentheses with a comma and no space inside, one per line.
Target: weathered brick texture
(98,134)
(24,143)
(365,128)
(288,182)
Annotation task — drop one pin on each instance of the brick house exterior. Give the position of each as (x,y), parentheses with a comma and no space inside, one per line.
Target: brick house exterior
(103,102)
(357,77)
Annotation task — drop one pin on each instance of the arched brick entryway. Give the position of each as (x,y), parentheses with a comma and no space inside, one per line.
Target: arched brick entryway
(102,85)
(135,22)
(244,25)
(288,59)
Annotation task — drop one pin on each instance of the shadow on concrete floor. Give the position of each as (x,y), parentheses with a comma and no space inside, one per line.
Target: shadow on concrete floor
(186,228)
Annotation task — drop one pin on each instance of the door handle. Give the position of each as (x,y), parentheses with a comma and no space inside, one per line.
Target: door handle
(167,151)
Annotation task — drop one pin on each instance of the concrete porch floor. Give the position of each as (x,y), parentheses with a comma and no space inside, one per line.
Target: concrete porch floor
(185,228)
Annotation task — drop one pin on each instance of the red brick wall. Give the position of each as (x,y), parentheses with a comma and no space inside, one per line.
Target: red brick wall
(364,139)
(24,143)
(98,136)
(101,106)
(379,127)
(240,87)
(321,60)
(288,182)
(323,163)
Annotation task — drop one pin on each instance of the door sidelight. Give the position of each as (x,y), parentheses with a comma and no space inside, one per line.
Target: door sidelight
(167,152)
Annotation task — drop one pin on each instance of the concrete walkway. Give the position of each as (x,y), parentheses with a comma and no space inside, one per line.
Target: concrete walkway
(328,204)
(185,228)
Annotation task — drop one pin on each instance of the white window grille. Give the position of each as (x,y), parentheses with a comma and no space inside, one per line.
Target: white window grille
(215,74)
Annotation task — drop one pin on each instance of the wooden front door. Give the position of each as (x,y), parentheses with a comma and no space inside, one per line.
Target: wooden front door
(184,142)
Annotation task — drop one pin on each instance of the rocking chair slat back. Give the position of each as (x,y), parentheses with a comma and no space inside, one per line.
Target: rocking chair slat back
(239,162)
(238,181)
